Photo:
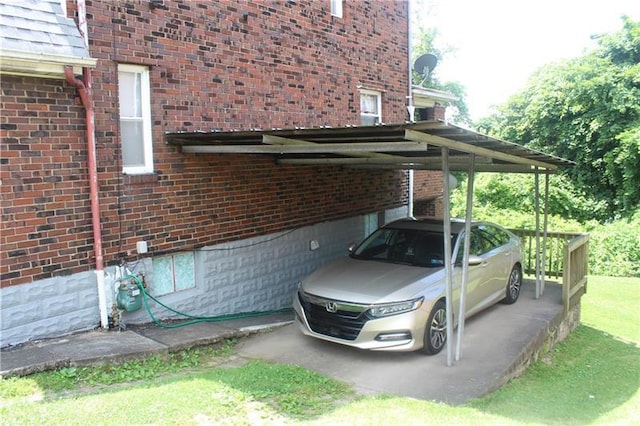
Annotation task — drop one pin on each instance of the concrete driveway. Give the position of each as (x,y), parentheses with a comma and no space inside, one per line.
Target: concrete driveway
(495,344)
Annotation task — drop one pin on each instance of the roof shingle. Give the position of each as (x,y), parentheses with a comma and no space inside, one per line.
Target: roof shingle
(39,27)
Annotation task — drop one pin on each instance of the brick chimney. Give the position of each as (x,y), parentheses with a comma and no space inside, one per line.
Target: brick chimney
(436,112)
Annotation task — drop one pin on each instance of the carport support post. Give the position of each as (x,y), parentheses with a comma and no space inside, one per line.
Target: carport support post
(537,209)
(536,206)
(465,258)
(447,251)
(544,227)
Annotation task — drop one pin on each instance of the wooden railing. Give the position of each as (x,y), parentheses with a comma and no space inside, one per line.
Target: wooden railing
(566,256)
(574,278)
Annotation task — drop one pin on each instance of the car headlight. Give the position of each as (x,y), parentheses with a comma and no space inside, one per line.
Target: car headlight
(396,308)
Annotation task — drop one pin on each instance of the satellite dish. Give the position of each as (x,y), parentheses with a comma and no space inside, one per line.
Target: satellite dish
(424,65)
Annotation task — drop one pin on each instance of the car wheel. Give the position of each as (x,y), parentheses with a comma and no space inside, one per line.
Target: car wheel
(513,286)
(435,335)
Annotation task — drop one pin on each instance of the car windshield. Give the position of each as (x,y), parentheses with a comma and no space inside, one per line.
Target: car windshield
(406,246)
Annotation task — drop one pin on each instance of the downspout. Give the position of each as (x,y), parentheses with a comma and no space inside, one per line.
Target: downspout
(84,91)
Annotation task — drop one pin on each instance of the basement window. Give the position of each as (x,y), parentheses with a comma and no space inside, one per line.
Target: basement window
(135,119)
(370,107)
(173,273)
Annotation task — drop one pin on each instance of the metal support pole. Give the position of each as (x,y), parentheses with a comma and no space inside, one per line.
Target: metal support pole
(465,258)
(544,234)
(447,252)
(537,209)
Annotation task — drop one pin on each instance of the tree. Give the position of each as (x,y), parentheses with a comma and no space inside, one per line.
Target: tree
(425,40)
(587,110)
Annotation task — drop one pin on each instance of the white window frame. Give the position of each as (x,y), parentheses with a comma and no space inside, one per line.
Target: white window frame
(378,96)
(336,8)
(144,97)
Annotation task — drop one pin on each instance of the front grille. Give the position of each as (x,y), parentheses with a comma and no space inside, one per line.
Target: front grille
(345,323)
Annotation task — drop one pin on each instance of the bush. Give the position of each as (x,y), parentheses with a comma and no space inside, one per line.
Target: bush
(614,247)
(517,192)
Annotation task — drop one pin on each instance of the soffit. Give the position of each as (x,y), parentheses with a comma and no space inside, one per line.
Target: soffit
(393,146)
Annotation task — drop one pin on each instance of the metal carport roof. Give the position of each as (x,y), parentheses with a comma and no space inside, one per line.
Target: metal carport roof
(428,145)
(399,146)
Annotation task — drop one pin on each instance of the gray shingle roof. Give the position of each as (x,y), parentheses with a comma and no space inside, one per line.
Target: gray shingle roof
(39,27)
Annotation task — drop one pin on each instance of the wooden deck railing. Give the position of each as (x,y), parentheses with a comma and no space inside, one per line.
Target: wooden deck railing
(566,256)
(574,278)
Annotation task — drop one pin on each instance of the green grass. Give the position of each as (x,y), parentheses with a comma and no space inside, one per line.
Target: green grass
(255,392)
(592,378)
(613,306)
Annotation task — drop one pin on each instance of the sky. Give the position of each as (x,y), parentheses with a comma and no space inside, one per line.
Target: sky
(500,43)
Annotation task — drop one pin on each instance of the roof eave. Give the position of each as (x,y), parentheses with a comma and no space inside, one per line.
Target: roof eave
(427,97)
(41,65)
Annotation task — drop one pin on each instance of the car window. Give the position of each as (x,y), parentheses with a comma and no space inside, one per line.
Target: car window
(407,246)
(493,237)
(479,244)
(376,245)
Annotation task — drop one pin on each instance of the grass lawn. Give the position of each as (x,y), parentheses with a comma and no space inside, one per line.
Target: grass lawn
(593,377)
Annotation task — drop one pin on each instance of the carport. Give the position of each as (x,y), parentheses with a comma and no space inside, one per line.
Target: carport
(428,145)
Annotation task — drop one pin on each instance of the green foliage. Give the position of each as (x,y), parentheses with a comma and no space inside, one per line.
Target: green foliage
(587,110)
(515,194)
(614,247)
(425,40)
(141,369)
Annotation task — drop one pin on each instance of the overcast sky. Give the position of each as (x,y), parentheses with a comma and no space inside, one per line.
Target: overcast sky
(500,43)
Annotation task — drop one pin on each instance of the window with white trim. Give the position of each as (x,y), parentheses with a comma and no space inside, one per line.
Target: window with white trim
(173,273)
(135,119)
(370,107)
(336,8)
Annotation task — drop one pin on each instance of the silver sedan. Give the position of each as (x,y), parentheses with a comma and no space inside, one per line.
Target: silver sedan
(389,293)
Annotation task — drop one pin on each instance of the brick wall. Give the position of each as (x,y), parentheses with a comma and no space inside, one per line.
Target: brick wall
(45,217)
(427,193)
(427,184)
(214,65)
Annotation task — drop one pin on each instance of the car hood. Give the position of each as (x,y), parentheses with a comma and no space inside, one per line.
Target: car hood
(369,281)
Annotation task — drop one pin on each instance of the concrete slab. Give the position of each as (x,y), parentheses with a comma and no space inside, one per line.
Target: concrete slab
(92,347)
(184,337)
(206,333)
(102,346)
(21,362)
(494,340)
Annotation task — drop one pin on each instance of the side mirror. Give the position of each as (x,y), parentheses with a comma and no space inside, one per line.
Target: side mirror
(474,260)
(352,247)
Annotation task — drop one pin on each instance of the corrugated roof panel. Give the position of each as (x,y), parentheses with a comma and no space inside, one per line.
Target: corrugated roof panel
(364,145)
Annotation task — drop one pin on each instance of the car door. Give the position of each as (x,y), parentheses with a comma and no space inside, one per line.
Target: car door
(496,263)
(477,275)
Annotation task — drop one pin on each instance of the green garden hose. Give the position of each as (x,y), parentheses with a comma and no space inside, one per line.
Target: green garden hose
(194,319)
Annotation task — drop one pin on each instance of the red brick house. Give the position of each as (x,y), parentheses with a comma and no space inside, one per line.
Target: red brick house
(213,234)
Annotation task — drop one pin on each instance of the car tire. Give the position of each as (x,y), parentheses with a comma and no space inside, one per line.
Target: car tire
(514,284)
(435,334)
